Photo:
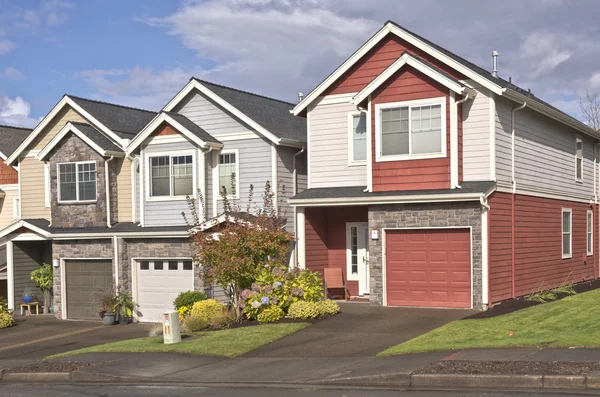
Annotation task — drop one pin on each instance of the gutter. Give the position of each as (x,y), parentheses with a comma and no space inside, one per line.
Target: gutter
(107,183)
(387,199)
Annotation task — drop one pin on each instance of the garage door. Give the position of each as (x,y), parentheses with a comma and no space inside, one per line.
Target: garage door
(85,278)
(428,267)
(158,284)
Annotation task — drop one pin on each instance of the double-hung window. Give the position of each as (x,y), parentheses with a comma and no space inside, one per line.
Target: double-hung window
(77,181)
(228,173)
(357,124)
(567,235)
(578,159)
(411,130)
(171,176)
(590,232)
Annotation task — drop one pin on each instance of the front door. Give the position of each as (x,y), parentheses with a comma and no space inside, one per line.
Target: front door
(358,255)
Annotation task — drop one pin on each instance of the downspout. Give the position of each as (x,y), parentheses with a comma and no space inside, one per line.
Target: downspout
(455,149)
(295,191)
(512,201)
(595,210)
(133,190)
(107,183)
(205,187)
(485,244)
(369,137)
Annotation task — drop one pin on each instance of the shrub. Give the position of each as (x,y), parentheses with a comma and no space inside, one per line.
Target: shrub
(155,329)
(188,299)
(183,311)
(270,315)
(302,310)
(223,319)
(3,305)
(206,309)
(328,306)
(194,323)
(6,320)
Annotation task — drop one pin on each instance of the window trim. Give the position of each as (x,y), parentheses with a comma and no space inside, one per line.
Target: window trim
(237,173)
(77,201)
(590,231)
(351,161)
(563,233)
(349,225)
(171,154)
(16,208)
(578,139)
(47,185)
(413,103)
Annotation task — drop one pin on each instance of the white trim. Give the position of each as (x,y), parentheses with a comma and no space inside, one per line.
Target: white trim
(431,198)
(76,201)
(492,120)
(351,115)
(545,193)
(116,259)
(10,275)
(361,229)
(274,177)
(108,235)
(142,188)
(590,231)
(485,216)
(407,59)
(237,174)
(195,84)
(17,225)
(239,136)
(162,139)
(384,254)
(215,182)
(453,140)
(308,150)
(301,237)
(563,233)
(369,146)
(12,186)
(133,162)
(19,180)
(171,153)
(578,140)
(47,187)
(201,205)
(31,153)
(414,103)
(16,208)
(336,98)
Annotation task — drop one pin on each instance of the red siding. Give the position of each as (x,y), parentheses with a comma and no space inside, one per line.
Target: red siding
(8,175)
(410,84)
(326,238)
(538,248)
(164,129)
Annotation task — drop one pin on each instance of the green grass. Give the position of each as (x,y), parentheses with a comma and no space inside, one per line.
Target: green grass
(223,343)
(570,322)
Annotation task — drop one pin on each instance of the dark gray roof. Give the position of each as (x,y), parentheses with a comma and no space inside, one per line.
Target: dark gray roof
(359,191)
(271,114)
(124,121)
(11,138)
(193,127)
(121,227)
(96,136)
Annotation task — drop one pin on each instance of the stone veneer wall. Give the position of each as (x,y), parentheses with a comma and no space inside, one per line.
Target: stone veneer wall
(423,216)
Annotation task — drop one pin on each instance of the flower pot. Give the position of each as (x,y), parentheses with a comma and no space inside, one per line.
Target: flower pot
(123,320)
(51,308)
(27,299)
(109,318)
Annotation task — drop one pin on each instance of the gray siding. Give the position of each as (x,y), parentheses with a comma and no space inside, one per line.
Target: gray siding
(302,172)
(28,256)
(476,137)
(328,126)
(285,176)
(544,152)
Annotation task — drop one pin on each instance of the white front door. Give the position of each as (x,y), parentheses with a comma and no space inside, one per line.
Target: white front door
(358,255)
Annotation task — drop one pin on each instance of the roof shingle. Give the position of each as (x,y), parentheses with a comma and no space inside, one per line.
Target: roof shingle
(11,138)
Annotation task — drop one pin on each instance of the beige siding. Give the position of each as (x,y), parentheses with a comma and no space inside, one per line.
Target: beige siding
(6,205)
(33,199)
(65,115)
(476,137)
(124,190)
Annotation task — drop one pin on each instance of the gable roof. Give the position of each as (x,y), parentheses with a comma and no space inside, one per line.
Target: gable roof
(11,138)
(91,136)
(268,116)
(193,127)
(496,85)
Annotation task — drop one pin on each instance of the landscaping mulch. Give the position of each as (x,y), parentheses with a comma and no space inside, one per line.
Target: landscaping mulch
(52,366)
(459,367)
(512,305)
(285,320)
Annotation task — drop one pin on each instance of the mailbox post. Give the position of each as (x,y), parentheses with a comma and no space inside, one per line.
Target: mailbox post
(171,328)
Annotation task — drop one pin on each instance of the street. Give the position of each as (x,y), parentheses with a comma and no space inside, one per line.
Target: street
(106,390)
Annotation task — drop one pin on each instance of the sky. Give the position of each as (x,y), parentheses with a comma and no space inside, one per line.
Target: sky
(142,52)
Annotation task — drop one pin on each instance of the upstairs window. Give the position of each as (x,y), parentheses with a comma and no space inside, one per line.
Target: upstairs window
(77,182)
(578,159)
(407,130)
(567,240)
(357,123)
(228,173)
(171,176)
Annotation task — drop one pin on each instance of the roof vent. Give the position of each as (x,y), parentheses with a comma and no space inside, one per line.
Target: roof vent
(495,61)
(300,96)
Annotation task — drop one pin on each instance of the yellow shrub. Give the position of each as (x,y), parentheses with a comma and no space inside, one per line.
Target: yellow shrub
(183,311)
(302,310)
(328,306)
(207,309)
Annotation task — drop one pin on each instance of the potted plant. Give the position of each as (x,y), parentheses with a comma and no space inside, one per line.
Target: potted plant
(27,295)
(125,306)
(42,276)
(107,301)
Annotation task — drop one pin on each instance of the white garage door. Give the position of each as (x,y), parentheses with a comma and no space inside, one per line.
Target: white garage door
(158,284)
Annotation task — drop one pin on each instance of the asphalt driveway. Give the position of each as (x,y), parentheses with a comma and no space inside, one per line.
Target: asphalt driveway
(360,330)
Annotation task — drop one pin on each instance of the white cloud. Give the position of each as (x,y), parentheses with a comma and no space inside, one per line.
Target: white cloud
(6,46)
(16,112)
(12,74)
(544,53)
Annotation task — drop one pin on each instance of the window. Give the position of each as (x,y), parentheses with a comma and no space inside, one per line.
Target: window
(187,265)
(567,242)
(171,176)
(77,181)
(578,159)
(173,265)
(16,208)
(354,249)
(357,123)
(408,130)
(590,232)
(144,265)
(158,265)
(228,173)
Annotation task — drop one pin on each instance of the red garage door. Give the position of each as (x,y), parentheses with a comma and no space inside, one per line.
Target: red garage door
(428,267)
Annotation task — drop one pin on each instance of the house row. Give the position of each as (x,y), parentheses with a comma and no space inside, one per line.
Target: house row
(429,181)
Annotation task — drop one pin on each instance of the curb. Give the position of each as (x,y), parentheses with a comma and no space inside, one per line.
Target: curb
(395,380)
(551,382)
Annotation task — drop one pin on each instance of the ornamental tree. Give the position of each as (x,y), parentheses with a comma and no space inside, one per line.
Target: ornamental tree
(43,277)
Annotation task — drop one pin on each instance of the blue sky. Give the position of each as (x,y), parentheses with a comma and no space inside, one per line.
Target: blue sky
(141,52)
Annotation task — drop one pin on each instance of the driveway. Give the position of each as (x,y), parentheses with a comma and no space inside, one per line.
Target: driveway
(360,330)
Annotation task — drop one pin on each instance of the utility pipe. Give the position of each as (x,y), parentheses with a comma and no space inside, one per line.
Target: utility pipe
(205,187)
(107,183)
(512,201)
(454,146)
(295,191)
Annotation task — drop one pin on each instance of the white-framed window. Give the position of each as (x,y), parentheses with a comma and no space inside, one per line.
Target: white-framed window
(16,208)
(77,182)
(356,250)
(171,176)
(357,138)
(590,232)
(578,159)
(410,130)
(567,235)
(229,170)
(47,189)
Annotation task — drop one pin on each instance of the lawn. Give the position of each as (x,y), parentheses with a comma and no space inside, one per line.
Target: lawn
(570,322)
(224,343)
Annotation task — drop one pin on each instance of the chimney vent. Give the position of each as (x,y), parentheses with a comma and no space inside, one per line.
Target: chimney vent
(300,96)
(495,61)
(510,79)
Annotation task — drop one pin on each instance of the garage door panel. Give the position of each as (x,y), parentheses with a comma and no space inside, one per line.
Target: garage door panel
(84,279)
(428,267)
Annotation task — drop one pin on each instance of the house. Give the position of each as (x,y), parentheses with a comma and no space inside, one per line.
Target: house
(103,188)
(435,183)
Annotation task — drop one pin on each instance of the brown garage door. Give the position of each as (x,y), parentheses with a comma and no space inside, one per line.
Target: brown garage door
(428,267)
(84,279)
